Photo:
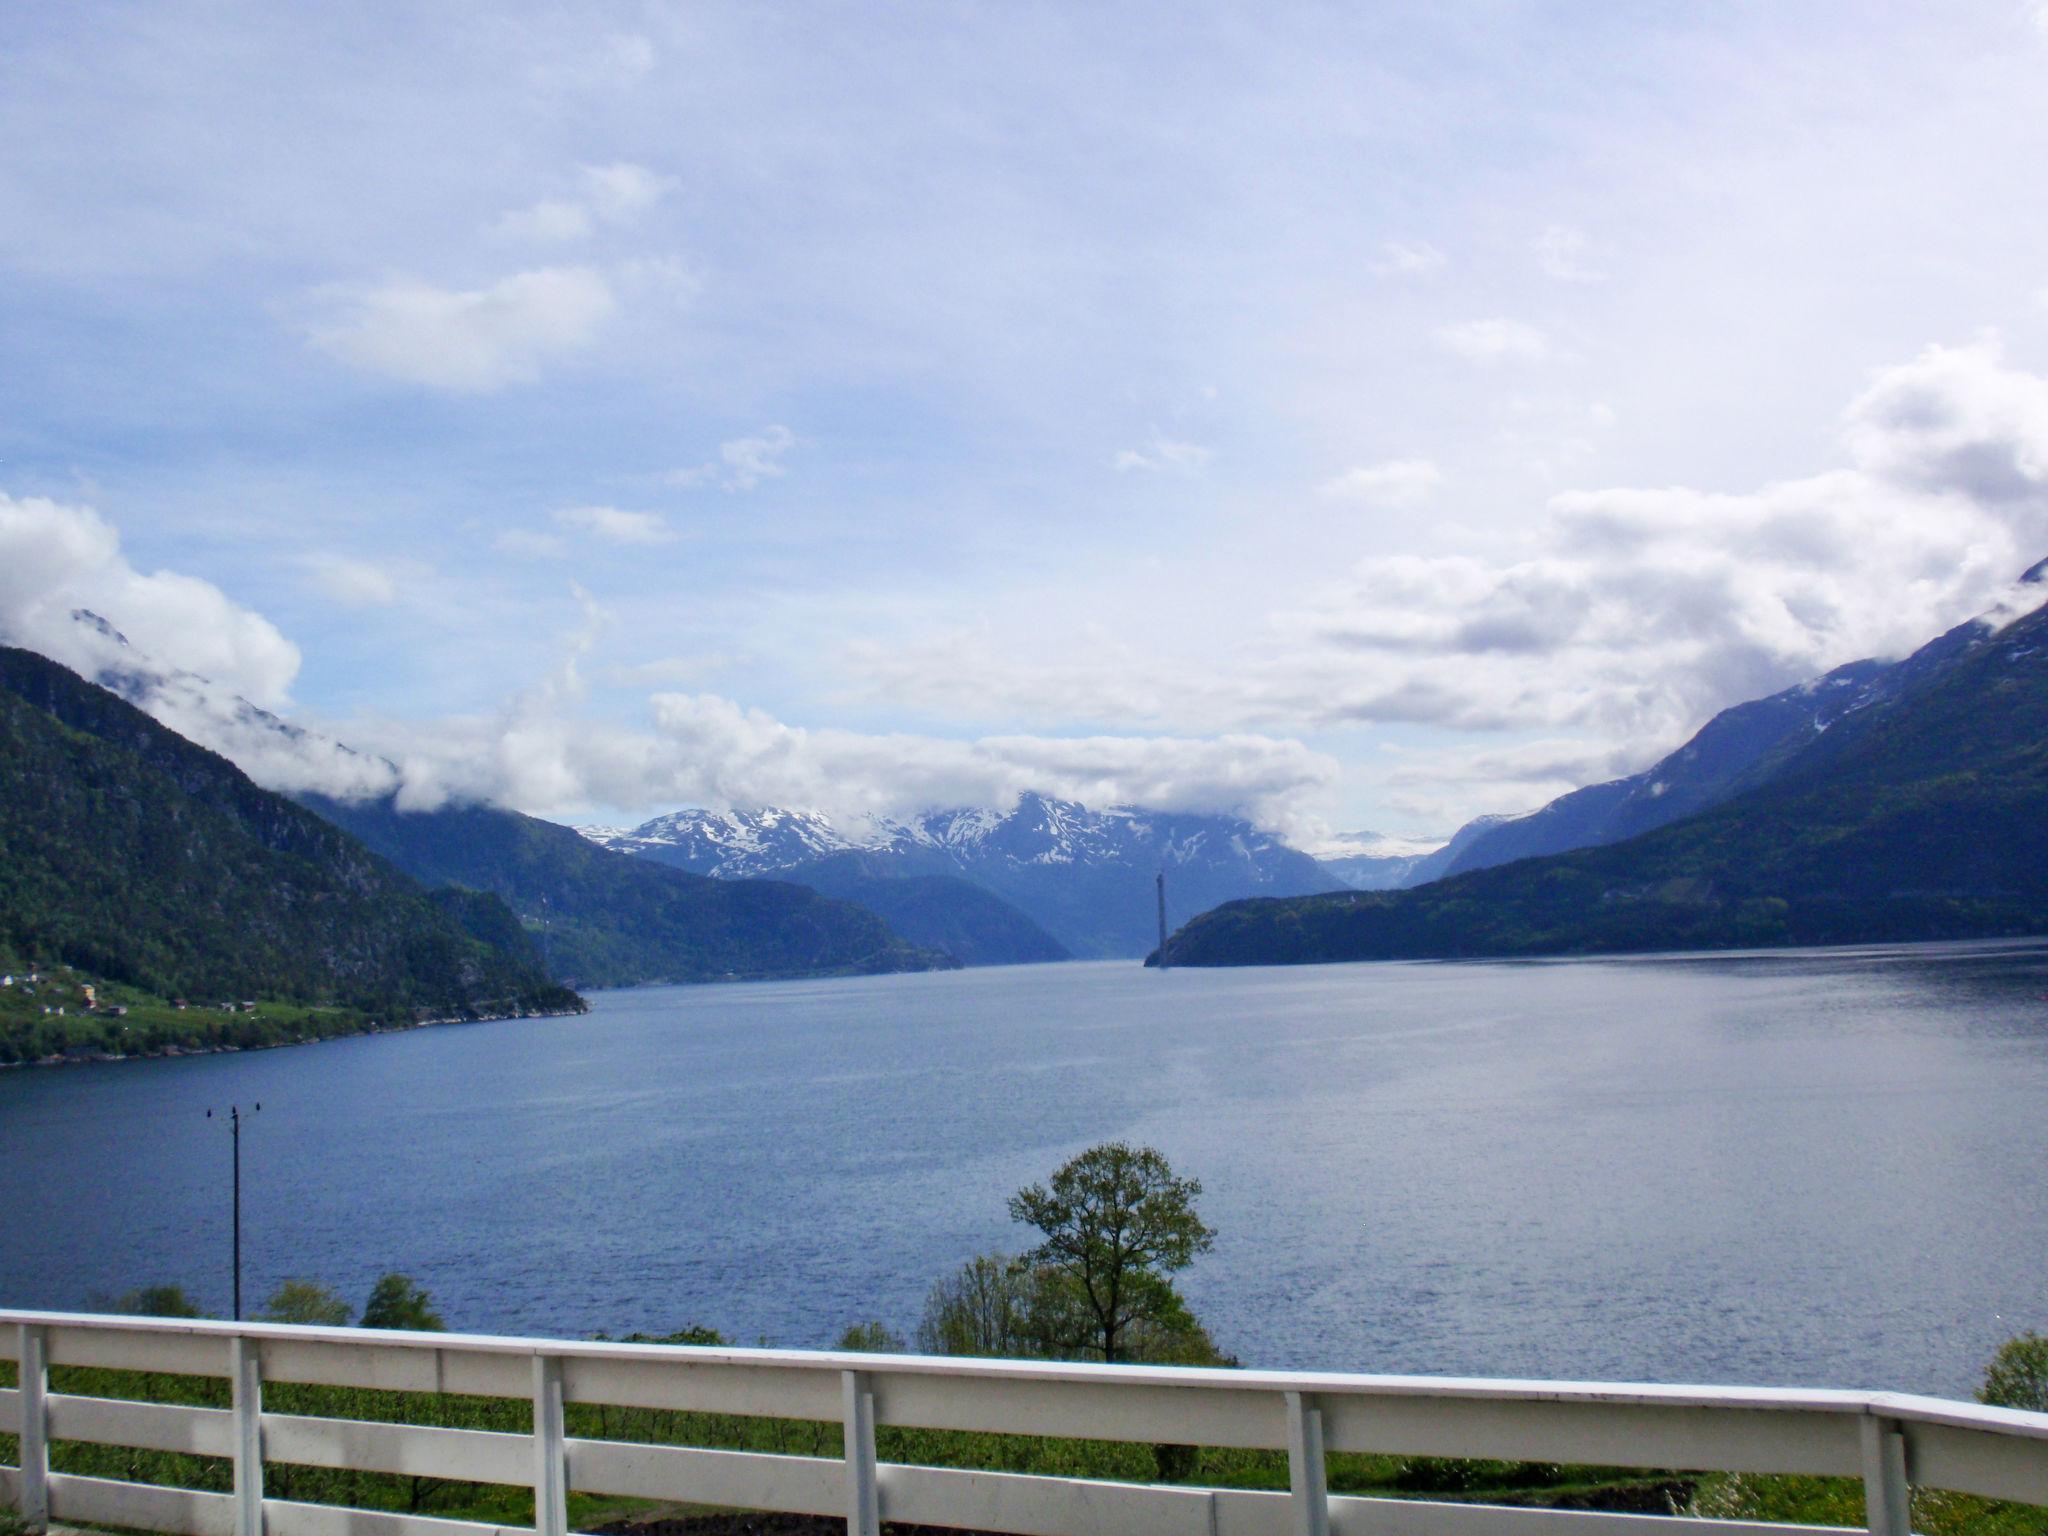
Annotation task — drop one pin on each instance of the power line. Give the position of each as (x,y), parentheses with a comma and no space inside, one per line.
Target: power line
(235,1127)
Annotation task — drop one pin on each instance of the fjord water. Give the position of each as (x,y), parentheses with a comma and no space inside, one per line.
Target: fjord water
(1824,1168)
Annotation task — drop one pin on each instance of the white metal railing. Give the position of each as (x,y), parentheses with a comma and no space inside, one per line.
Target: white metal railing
(1891,1441)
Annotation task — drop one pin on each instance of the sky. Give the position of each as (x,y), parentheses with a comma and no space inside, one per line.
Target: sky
(1346,416)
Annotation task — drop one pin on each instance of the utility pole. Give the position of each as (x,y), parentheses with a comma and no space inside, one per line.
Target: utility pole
(1162,919)
(235,1130)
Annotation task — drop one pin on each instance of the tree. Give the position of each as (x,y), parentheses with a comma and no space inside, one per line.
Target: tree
(871,1338)
(2017,1376)
(982,1308)
(306,1301)
(396,1301)
(155,1301)
(1117,1222)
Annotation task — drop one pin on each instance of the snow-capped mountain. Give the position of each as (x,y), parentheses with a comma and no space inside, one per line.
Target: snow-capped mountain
(733,845)
(1086,876)
(1374,861)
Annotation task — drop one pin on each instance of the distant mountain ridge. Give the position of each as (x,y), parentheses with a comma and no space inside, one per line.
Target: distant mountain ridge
(1905,802)
(609,920)
(1086,877)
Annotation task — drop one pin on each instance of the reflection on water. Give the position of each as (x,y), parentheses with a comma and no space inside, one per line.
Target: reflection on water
(1822,1167)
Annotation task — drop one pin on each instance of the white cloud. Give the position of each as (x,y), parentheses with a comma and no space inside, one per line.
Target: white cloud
(56,558)
(1408,258)
(1565,255)
(750,460)
(1626,618)
(614,195)
(1496,340)
(529,545)
(552,220)
(1955,421)
(1641,611)
(472,340)
(1164,454)
(704,749)
(354,583)
(621,192)
(1398,483)
(742,462)
(615,526)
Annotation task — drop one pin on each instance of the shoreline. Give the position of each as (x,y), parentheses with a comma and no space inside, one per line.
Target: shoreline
(173,1052)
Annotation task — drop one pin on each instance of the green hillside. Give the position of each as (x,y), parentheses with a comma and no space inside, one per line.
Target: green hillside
(133,856)
(607,919)
(1923,818)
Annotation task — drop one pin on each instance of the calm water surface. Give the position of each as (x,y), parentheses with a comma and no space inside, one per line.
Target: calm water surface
(1827,1168)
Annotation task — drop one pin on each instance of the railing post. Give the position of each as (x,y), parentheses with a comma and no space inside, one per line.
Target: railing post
(1887,1497)
(550,1450)
(863,1500)
(32,1493)
(245,1367)
(1307,1482)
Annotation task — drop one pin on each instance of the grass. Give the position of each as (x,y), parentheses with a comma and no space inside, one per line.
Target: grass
(151,1025)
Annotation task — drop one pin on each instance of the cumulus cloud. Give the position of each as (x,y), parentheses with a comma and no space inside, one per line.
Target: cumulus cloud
(465,340)
(57,558)
(1954,421)
(1408,258)
(1639,611)
(1163,454)
(1565,255)
(1496,340)
(1399,484)
(615,526)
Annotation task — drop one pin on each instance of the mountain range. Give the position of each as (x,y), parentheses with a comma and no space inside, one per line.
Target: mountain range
(1882,801)
(1084,877)
(604,919)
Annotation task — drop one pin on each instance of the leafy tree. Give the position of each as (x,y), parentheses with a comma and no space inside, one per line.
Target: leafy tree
(2017,1376)
(696,1333)
(1117,1222)
(396,1301)
(155,1301)
(983,1308)
(306,1301)
(871,1338)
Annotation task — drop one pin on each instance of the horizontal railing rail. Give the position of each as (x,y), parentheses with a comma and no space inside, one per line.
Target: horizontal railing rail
(1890,1441)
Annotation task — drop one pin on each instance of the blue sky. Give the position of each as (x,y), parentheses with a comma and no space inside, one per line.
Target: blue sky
(1359,416)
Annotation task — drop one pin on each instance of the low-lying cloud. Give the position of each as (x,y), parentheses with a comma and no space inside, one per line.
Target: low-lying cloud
(56,558)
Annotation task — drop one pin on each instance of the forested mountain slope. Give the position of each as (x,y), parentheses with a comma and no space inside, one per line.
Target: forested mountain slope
(131,854)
